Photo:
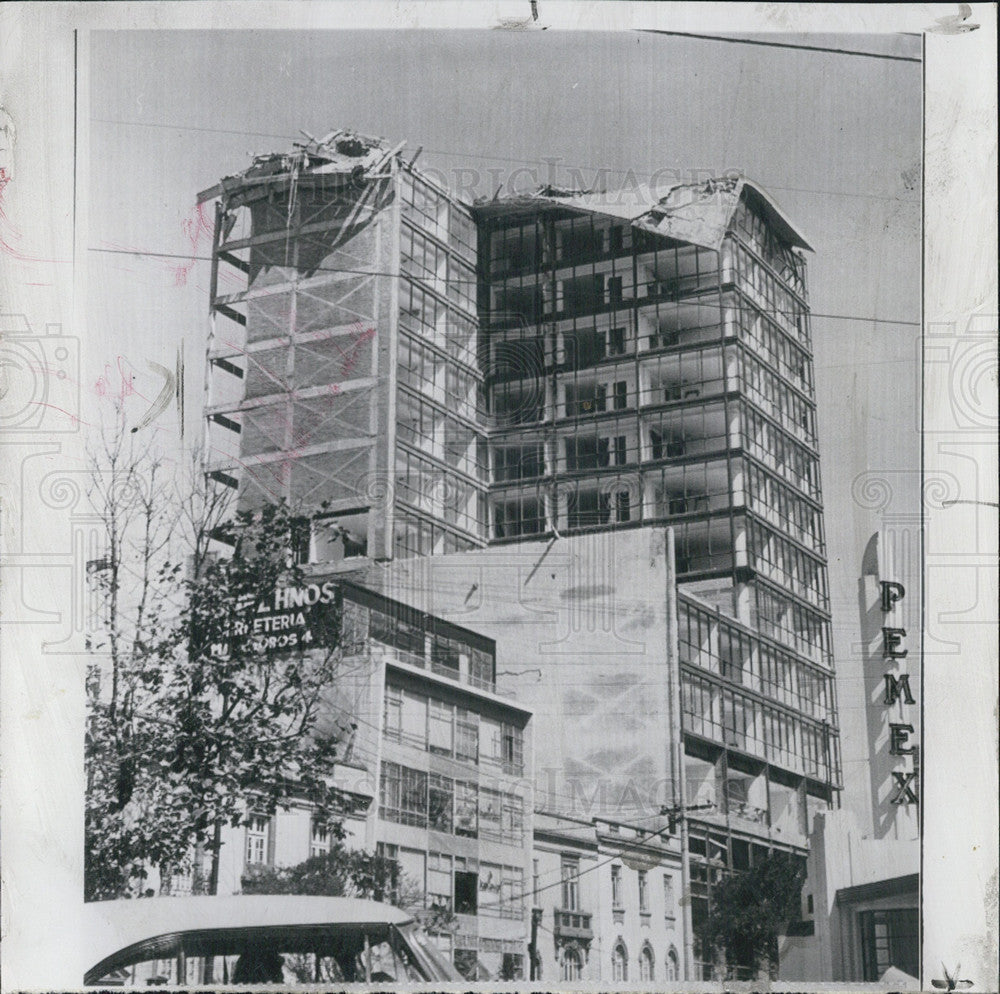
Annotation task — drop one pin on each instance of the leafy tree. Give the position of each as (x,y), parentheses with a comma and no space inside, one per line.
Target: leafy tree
(190,715)
(750,908)
(341,872)
(344,872)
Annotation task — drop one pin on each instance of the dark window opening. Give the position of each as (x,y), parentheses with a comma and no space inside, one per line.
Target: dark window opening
(585,349)
(616,341)
(466,892)
(586,293)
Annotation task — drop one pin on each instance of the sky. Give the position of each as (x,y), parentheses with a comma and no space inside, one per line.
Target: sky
(834,138)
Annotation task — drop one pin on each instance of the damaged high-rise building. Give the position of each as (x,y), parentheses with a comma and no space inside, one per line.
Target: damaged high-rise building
(335,383)
(475,383)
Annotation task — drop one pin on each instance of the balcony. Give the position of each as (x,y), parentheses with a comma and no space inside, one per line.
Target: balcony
(572,925)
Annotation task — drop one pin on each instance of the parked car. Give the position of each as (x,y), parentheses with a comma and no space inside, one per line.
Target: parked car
(257,939)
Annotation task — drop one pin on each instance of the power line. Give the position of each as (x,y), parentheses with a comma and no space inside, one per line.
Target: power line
(590,869)
(789,45)
(550,161)
(449,279)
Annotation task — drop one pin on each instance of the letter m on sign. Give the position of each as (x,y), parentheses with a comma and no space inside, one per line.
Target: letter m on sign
(895,687)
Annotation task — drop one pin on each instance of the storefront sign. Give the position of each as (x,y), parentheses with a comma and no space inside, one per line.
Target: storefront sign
(897,690)
(292,618)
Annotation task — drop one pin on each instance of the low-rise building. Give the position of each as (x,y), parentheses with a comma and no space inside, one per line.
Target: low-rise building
(435,774)
(606,901)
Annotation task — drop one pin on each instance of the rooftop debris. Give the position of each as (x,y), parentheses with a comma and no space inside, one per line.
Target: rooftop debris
(697,213)
(341,155)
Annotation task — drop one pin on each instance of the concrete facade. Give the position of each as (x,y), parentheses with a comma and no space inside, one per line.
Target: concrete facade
(849,877)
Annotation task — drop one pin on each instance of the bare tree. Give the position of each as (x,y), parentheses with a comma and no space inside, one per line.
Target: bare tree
(192,718)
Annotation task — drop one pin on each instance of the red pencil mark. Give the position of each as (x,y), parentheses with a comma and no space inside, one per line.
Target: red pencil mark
(351,359)
(104,387)
(194,228)
(74,418)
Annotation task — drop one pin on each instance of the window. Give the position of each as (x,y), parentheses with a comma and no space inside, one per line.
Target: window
(439,881)
(643,892)
(669,907)
(466,735)
(258,839)
(621,450)
(623,511)
(673,965)
(440,803)
(889,938)
(513,749)
(619,963)
(490,805)
(319,842)
(616,888)
(616,341)
(466,810)
(466,892)
(439,728)
(570,869)
(572,965)
(513,818)
(413,797)
(646,961)
(621,395)
(615,290)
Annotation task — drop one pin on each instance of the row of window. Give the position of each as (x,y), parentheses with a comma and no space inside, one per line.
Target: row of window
(425,315)
(418,645)
(428,800)
(432,375)
(623,441)
(429,428)
(425,486)
(767,390)
(414,536)
(647,964)
(782,506)
(459,884)
(440,727)
(778,617)
(781,352)
(522,249)
(772,296)
(706,641)
(778,559)
(779,451)
(724,715)
(425,207)
(760,236)
(517,305)
(425,259)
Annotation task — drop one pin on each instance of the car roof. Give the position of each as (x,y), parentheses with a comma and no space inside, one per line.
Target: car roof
(113,925)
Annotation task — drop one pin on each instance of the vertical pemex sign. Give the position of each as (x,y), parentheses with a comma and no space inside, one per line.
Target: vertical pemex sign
(898,692)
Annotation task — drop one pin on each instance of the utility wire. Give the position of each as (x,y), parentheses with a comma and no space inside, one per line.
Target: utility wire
(789,45)
(552,160)
(377,272)
(590,869)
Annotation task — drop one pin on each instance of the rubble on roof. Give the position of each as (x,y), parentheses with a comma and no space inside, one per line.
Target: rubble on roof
(339,154)
(694,213)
